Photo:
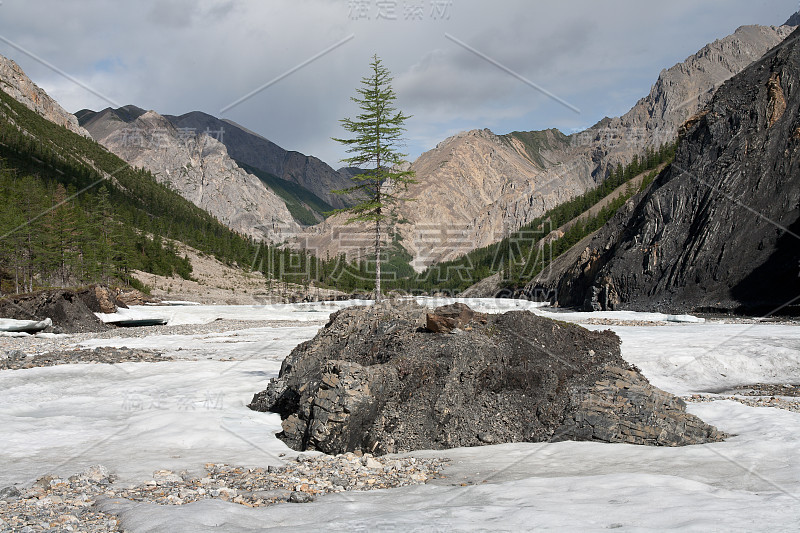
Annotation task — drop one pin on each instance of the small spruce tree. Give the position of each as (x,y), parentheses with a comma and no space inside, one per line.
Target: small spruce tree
(377,136)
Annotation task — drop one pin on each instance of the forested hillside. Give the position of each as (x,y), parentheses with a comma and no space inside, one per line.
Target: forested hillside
(71,212)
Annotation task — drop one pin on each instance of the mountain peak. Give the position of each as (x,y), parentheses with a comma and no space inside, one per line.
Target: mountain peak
(19,86)
(794,20)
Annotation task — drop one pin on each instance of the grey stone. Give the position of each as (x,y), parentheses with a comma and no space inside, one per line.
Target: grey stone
(301,497)
(274,494)
(401,387)
(9,493)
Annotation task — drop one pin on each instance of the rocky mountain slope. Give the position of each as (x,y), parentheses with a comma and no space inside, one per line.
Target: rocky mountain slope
(197,166)
(16,84)
(256,151)
(476,187)
(718,229)
(103,123)
(304,183)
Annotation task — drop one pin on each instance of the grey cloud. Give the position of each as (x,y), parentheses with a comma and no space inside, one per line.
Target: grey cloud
(177,56)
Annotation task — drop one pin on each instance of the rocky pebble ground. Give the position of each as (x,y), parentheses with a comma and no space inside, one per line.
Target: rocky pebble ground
(17,359)
(56,504)
(616,322)
(758,395)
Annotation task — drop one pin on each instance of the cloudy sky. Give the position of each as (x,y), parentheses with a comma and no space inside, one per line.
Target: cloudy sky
(594,58)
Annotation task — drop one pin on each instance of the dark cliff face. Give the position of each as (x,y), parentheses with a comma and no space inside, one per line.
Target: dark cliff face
(720,228)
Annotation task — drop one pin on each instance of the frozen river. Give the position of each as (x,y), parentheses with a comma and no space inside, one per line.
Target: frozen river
(135,418)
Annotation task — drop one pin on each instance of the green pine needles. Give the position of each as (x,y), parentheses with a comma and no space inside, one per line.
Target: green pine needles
(375,147)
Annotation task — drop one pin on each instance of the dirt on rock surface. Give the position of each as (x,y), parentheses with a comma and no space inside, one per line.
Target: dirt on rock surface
(376,379)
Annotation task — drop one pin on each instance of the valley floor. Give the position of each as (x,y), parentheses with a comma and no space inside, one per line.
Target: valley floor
(136,418)
(215,283)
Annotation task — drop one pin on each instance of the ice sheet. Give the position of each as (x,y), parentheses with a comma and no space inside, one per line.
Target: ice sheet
(255,343)
(690,358)
(203,314)
(747,483)
(134,417)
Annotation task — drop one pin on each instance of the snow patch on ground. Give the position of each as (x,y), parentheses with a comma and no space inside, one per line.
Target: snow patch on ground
(687,359)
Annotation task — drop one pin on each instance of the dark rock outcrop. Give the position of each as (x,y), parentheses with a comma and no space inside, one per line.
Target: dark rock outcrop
(720,228)
(376,379)
(65,308)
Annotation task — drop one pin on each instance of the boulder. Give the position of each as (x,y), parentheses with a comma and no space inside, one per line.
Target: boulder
(100,299)
(376,379)
(129,297)
(65,308)
(449,317)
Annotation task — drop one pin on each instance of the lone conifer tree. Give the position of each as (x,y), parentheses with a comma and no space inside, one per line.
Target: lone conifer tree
(375,147)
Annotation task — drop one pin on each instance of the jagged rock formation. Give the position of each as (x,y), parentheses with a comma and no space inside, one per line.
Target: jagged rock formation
(375,379)
(687,87)
(477,187)
(16,84)
(719,229)
(254,150)
(197,166)
(794,20)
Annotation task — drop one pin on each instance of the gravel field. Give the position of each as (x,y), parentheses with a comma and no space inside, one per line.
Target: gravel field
(55,504)
(32,345)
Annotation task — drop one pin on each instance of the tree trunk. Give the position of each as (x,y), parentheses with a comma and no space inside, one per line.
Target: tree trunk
(378,259)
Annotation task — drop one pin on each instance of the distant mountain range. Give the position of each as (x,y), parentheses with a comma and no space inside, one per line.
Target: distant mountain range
(474,188)
(477,187)
(303,182)
(196,164)
(257,152)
